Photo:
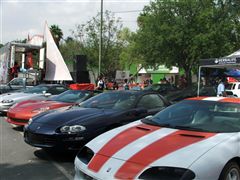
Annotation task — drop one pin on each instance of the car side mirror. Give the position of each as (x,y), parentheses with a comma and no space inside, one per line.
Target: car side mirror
(47,94)
(148,117)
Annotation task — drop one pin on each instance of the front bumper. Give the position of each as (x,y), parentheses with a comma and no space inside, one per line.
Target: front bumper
(79,174)
(16,121)
(18,118)
(58,141)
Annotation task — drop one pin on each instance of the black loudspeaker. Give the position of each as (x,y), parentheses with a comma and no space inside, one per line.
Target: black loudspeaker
(81,63)
(73,74)
(82,77)
(80,74)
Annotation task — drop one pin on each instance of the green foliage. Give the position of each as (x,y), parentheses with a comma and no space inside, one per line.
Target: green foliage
(174,32)
(1,45)
(88,35)
(70,49)
(129,54)
(56,33)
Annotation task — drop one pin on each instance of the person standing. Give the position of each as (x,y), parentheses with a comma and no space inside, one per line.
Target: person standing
(221,88)
(100,84)
(126,85)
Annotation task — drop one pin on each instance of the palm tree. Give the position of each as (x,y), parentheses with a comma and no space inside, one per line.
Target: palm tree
(56,33)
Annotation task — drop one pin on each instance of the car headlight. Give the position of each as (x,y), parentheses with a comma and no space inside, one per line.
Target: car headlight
(40,110)
(29,121)
(72,129)
(7,101)
(172,173)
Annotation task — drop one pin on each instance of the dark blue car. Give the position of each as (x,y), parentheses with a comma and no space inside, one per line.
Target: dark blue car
(72,128)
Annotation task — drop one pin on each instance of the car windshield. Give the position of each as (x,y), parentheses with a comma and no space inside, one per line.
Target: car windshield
(196,115)
(71,96)
(158,87)
(111,100)
(37,89)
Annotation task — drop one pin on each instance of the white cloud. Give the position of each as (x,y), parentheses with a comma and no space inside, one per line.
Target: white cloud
(20,18)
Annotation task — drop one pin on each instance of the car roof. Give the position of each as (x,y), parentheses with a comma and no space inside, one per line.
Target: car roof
(51,85)
(137,92)
(219,99)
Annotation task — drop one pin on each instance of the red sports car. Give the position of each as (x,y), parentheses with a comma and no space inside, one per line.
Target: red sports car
(20,113)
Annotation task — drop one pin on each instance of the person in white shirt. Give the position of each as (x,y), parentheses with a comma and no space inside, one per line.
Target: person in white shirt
(221,88)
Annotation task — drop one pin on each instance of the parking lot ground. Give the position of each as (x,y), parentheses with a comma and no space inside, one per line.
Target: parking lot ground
(19,161)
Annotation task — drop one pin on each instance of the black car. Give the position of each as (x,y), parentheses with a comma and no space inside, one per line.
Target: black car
(190,91)
(162,89)
(72,128)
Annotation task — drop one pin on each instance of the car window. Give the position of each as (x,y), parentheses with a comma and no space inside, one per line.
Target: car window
(71,96)
(112,100)
(56,90)
(16,82)
(36,89)
(209,116)
(150,101)
(239,86)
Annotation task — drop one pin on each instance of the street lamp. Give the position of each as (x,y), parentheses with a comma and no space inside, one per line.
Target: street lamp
(100,40)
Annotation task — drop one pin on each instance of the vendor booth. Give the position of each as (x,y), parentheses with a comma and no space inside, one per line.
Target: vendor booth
(228,67)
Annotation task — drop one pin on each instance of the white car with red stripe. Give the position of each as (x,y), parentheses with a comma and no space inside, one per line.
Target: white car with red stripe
(197,138)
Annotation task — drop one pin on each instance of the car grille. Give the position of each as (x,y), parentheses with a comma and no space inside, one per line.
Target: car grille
(19,120)
(40,139)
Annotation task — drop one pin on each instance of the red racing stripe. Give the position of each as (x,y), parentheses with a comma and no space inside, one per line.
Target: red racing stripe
(118,142)
(158,149)
(197,98)
(231,100)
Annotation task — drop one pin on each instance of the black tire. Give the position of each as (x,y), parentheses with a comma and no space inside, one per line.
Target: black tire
(230,171)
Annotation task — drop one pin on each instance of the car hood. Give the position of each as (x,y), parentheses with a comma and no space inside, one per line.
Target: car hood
(36,104)
(71,116)
(161,146)
(18,96)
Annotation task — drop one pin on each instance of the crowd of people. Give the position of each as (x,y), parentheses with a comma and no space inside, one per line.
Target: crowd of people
(102,84)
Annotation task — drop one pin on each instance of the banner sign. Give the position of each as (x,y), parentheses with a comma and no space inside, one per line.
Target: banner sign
(121,75)
(219,61)
(4,60)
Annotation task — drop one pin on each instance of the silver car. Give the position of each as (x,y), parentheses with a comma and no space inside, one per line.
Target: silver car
(42,92)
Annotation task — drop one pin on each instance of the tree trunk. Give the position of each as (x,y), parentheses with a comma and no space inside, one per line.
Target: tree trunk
(188,74)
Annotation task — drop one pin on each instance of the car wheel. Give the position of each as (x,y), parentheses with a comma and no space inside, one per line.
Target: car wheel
(231,171)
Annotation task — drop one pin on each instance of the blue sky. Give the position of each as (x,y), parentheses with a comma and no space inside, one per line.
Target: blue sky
(18,18)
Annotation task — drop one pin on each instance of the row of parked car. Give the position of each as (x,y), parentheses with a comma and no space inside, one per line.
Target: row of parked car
(132,134)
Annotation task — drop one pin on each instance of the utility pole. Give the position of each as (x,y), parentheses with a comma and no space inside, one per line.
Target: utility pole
(100,40)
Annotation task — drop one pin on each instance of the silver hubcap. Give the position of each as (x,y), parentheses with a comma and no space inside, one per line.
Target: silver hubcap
(233,174)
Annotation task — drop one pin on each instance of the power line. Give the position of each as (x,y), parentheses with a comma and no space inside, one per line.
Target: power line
(128,11)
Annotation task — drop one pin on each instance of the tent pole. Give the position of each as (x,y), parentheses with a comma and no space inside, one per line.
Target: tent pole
(199,80)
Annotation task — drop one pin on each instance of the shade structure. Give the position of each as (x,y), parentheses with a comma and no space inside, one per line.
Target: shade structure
(56,69)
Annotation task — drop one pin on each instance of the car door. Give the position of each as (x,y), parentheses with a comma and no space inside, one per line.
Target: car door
(153,103)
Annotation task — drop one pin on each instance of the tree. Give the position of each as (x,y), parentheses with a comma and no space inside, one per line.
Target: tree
(69,49)
(129,55)
(1,45)
(88,35)
(56,33)
(179,33)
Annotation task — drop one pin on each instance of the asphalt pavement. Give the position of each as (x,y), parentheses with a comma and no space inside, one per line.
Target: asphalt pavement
(19,161)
